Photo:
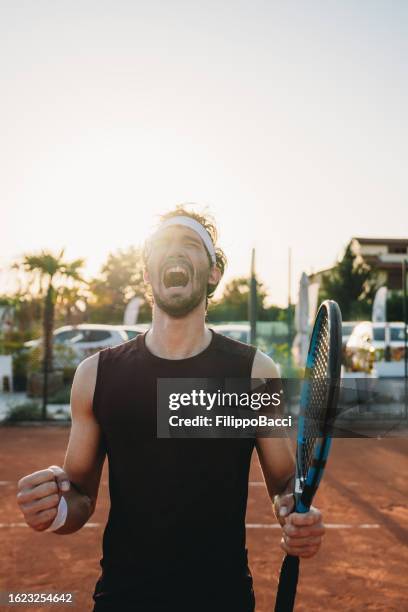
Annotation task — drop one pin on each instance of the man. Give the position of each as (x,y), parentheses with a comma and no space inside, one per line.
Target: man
(175,538)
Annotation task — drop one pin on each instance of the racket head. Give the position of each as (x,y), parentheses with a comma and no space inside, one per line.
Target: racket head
(318,403)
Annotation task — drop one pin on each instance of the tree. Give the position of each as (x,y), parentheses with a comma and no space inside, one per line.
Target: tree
(395,306)
(49,269)
(70,305)
(233,305)
(351,283)
(120,280)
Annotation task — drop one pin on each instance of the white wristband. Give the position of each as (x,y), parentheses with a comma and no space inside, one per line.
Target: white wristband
(61,517)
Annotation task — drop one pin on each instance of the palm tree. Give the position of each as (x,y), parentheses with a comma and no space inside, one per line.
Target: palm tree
(50,269)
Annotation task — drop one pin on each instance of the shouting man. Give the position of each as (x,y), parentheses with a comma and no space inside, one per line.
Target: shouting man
(175,537)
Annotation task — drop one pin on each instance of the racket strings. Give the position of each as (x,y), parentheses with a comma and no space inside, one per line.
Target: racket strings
(317,394)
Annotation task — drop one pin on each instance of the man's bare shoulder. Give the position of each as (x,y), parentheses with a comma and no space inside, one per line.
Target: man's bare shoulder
(83,386)
(264,366)
(88,366)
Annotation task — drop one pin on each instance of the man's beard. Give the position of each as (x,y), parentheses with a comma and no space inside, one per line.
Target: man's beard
(180,306)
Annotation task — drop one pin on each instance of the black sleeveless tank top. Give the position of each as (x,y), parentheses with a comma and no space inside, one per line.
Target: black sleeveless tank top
(177,505)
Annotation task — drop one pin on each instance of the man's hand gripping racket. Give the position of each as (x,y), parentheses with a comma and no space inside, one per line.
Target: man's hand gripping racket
(318,406)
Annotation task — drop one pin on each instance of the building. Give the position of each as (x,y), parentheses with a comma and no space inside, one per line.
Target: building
(384,255)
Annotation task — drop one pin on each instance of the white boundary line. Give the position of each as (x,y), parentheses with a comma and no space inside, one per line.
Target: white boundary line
(327,525)
(13,525)
(248,525)
(255,483)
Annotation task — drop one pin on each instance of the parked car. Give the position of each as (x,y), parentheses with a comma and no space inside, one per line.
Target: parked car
(376,346)
(86,338)
(133,330)
(239,332)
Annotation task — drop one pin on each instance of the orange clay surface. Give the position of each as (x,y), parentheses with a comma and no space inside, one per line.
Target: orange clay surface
(361,566)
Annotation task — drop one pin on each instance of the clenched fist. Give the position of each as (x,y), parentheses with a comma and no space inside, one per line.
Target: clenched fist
(39,495)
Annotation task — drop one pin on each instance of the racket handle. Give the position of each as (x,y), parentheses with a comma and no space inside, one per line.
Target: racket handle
(288,579)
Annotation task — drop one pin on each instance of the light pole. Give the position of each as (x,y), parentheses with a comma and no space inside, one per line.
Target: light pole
(289,305)
(253,300)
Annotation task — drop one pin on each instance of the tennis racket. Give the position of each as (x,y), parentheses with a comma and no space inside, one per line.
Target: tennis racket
(318,405)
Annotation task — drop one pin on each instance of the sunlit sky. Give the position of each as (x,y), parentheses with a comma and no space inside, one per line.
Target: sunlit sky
(287,119)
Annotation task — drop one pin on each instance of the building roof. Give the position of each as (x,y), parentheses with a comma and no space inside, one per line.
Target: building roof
(389,241)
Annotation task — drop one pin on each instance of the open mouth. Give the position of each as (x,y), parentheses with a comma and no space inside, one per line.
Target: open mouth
(175,276)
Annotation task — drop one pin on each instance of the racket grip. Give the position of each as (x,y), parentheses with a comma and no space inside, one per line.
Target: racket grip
(288,579)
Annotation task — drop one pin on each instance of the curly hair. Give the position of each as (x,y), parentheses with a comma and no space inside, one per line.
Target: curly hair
(207,221)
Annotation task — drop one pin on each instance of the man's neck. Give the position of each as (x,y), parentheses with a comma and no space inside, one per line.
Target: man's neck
(172,338)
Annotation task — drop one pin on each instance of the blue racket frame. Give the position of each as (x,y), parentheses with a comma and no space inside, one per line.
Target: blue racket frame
(304,491)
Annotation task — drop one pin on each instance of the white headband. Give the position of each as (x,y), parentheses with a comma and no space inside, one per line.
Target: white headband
(196,227)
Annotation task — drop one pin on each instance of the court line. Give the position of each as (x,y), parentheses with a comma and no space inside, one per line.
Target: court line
(255,483)
(248,525)
(400,532)
(327,525)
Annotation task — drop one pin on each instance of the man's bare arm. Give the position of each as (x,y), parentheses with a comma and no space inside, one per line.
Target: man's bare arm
(85,453)
(276,455)
(39,493)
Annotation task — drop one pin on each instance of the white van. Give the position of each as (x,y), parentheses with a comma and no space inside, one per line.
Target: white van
(376,347)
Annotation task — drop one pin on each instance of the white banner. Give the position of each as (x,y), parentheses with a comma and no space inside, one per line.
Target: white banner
(301,340)
(132,311)
(313,301)
(379,314)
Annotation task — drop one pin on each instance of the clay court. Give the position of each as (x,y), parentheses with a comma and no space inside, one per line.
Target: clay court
(362,565)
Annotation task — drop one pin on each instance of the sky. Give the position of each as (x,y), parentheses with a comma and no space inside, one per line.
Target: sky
(286,119)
